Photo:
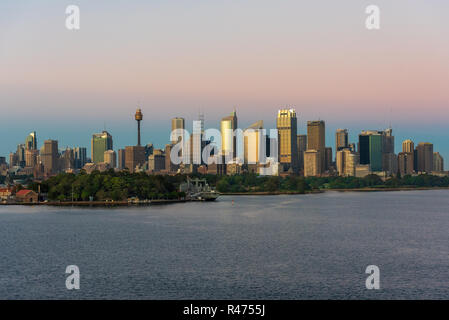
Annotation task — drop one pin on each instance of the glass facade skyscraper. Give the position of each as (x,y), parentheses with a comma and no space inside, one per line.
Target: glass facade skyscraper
(101,142)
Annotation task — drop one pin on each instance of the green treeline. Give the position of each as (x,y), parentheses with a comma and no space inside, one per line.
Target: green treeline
(110,185)
(254,183)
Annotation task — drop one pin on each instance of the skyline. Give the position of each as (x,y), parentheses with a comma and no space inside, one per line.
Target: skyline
(172,59)
(125,135)
(329,136)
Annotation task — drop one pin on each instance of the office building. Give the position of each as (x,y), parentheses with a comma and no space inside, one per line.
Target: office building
(13,160)
(20,153)
(134,157)
(312,163)
(31,157)
(346,162)
(100,142)
(156,161)
(253,144)
(316,140)
(228,140)
(121,159)
(80,155)
(197,145)
(424,152)
(110,158)
(67,160)
(169,165)
(438,162)
(301,142)
(31,141)
(341,139)
(408,146)
(405,163)
(328,158)
(351,163)
(376,149)
(49,156)
(287,126)
(177,124)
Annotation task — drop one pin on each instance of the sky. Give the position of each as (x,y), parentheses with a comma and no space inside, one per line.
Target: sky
(175,58)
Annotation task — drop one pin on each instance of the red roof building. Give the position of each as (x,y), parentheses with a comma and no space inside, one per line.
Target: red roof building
(26,196)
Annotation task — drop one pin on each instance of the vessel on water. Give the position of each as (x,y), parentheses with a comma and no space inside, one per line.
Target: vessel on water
(198,189)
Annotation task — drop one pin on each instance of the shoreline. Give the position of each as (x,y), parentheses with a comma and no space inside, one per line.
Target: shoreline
(98,203)
(267,193)
(166,201)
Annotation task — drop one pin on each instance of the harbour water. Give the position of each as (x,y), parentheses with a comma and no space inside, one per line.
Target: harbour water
(241,247)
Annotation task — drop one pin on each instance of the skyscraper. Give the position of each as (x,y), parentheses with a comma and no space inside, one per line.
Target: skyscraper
(287,126)
(169,165)
(438,162)
(101,142)
(80,155)
(110,158)
(375,152)
(302,147)
(346,162)
(328,158)
(228,139)
(177,124)
(341,139)
(31,141)
(156,161)
(424,152)
(121,159)
(31,156)
(21,161)
(67,160)
(13,159)
(197,144)
(371,149)
(316,140)
(408,146)
(134,157)
(405,163)
(253,148)
(49,156)
(312,163)
(406,159)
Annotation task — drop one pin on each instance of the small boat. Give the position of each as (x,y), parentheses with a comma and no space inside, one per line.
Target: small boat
(198,189)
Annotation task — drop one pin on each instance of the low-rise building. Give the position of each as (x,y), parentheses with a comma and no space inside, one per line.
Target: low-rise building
(26,196)
(5,194)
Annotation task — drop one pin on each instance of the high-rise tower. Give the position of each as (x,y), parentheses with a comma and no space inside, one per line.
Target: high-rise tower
(341,139)
(100,142)
(31,141)
(287,126)
(138,116)
(316,140)
(228,140)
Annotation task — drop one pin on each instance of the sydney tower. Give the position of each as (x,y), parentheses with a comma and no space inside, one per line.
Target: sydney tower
(138,117)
